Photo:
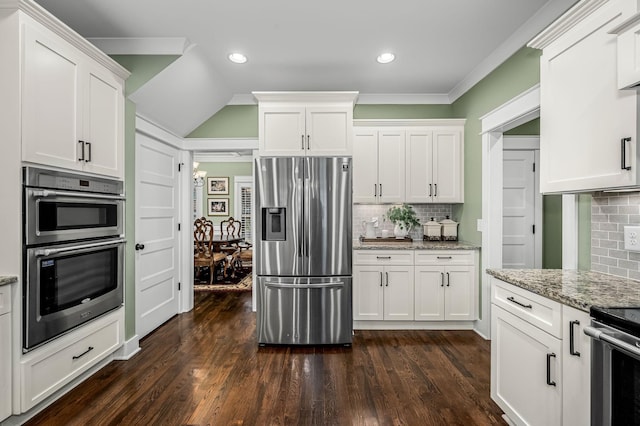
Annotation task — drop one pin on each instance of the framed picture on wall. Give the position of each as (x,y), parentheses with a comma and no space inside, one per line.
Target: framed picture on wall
(217,185)
(218,206)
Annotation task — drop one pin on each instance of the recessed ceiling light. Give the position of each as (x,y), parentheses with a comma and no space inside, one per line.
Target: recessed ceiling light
(237,58)
(385,58)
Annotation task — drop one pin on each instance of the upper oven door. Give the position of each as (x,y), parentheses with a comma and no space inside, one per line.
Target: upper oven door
(57,216)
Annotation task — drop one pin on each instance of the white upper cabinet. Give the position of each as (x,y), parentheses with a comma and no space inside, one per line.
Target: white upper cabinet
(378,165)
(305,123)
(628,33)
(588,128)
(435,165)
(72,106)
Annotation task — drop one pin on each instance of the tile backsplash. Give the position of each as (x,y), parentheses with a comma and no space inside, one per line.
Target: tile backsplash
(609,214)
(425,212)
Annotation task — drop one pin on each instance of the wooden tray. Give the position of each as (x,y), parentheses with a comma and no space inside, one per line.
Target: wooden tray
(386,240)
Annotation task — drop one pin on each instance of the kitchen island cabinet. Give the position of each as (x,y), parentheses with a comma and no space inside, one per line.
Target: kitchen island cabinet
(72,108)
(581,109)
(305,123)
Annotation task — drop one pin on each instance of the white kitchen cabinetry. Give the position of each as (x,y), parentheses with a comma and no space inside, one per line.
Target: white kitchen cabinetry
(383,286)
(434,165)
(540,358)
(378,165)
(5,352)
(628,33)
(588,128)
(576,368)
(46,370)
(445,286)
(72,107)
(305,123)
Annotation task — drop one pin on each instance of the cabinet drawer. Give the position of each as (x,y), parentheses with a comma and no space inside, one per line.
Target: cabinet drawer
(387,257)
(429,257)
(5,299)
(536,310)
(49,368)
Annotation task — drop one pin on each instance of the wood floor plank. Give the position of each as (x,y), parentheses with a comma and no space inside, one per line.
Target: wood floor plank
(205,368)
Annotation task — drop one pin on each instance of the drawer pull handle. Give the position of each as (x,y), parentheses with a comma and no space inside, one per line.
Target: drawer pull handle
(387,275)
(83,353)
(549,356)
(448,280)
(441,279)
(512,299)
(444,257)
(383,257)
(380,279)
(572,348)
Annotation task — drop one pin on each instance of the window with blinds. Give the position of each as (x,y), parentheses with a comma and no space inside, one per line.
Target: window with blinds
(246,209)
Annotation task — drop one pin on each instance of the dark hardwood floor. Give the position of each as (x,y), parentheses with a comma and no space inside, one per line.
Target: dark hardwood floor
(205,368)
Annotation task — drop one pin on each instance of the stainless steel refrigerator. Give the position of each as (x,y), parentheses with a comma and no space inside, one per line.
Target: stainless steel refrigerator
(303,250)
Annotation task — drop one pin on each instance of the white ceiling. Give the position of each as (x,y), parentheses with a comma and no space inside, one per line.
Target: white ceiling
(442,47)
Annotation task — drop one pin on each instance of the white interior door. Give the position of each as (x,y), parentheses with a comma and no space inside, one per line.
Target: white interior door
(518,206)
(157,213)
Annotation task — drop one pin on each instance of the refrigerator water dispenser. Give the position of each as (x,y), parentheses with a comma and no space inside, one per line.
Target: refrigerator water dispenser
(273,224)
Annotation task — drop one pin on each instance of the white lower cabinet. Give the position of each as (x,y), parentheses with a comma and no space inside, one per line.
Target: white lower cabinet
(5,352)
(46,370)
(540,358)
(576,368)
(383,292)
(440,287)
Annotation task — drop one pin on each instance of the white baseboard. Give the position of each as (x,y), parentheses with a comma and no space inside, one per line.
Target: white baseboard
(412,325)
(130,348)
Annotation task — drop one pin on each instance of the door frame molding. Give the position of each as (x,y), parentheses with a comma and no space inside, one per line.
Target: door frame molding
(531,143)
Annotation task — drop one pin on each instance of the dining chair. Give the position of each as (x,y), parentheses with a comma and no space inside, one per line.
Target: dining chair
(204,256)
(230,228)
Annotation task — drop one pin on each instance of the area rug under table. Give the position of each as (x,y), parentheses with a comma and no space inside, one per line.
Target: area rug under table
(243,285)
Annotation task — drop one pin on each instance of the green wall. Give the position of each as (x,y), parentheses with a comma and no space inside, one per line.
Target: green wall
(142,69)
(232,121)
(227,169)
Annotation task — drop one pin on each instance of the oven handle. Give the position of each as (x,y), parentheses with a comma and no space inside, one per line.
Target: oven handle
(42,193)
(594,333)
(49,252)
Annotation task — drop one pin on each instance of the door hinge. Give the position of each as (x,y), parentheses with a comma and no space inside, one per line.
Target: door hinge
(180,166)
(533,228)
(179,286)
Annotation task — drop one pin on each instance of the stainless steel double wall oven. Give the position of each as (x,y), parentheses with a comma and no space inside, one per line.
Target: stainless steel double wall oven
(73,251)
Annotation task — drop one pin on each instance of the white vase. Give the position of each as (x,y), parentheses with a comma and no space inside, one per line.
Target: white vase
(400,232)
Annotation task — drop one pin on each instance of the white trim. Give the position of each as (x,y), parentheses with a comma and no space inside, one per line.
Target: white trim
(543,17)
(367,122)
(220,144)
(239,182)
(149,128)
(311,96)
(519,110)
(185,239)
(564,23)
(413,325)
(243,99)
(517,142)
(403,99)
(58,27)
(227,157)
(127,351)
(141,45)
(569,231)
(507,116)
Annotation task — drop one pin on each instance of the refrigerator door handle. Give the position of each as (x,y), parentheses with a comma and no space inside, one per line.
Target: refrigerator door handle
(336,284)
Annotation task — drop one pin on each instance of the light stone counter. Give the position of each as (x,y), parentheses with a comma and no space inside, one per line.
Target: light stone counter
(8,279)
(414,245)
(578,289)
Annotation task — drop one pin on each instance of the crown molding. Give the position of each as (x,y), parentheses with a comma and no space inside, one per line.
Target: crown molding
(222,157)
(567,21)
(41,15)
(315,96)
(625,25)
(220,144)
(440,122)
(141,45)
(541,19)
(403,99)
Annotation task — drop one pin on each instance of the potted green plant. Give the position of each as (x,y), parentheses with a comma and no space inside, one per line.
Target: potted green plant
(404,219)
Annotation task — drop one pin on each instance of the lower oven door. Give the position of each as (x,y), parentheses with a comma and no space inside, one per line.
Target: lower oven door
(615,376)
(67,285)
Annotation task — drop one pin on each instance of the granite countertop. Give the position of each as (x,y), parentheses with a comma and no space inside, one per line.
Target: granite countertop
(578,289)
(8,279)
(414,245)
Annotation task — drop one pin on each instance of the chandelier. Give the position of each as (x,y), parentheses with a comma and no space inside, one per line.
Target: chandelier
(198,175)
